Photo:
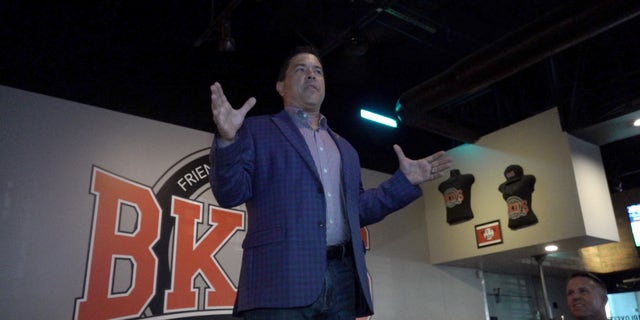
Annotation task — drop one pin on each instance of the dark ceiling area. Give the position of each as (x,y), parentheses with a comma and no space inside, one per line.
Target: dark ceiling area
(452,70)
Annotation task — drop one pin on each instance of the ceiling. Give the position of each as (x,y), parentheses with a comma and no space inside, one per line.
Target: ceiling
(157,59)
(458,69)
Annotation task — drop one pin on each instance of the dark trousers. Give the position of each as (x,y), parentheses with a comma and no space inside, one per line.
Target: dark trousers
(336,301)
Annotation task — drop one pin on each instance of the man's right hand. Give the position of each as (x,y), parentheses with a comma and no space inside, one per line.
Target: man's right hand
(227,119)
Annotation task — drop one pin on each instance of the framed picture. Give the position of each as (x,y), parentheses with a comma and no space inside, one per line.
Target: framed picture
(488,234)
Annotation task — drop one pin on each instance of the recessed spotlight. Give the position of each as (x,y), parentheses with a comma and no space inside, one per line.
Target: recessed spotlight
(551,248)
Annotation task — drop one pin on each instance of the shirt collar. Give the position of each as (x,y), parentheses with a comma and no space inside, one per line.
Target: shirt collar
(301,118)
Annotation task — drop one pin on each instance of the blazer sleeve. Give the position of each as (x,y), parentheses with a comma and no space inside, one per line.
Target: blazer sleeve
(232,167)
(390,196)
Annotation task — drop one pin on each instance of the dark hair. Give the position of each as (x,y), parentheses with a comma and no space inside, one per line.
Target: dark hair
(591,276)
(296,51)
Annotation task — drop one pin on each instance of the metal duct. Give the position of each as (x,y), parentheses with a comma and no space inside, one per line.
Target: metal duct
(546,36)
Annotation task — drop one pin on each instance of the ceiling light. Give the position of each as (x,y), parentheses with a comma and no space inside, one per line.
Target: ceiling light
(226,43)
(378,118)
(356,45)
(551,248)
(636,123)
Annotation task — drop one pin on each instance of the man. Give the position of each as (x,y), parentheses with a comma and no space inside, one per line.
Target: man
(302,255)
(586,296)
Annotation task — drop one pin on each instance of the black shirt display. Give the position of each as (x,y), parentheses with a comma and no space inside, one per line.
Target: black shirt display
(517,191)
(457,196)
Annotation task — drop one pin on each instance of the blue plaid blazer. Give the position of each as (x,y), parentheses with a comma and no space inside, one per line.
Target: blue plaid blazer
(270,169)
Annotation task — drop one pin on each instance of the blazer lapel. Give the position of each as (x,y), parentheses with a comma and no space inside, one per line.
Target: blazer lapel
(344,159)
(283,121)
(344,154)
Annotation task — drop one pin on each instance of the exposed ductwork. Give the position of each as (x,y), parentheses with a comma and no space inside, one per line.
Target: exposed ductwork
(545,37)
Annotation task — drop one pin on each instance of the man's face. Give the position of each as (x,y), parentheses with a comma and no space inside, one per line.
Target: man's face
(585,299)
(303,85)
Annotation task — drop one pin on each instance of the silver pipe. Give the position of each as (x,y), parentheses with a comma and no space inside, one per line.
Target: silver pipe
(545,296)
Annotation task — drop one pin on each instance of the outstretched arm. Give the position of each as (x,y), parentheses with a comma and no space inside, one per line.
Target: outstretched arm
(425,169)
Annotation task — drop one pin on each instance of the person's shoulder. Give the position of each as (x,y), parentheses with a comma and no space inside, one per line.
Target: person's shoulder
(260,123)
(258,119)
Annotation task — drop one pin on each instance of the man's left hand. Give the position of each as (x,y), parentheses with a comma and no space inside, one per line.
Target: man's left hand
(425,169)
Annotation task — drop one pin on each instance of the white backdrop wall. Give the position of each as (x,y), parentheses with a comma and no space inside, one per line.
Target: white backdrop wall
(57,154)
(404,283)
